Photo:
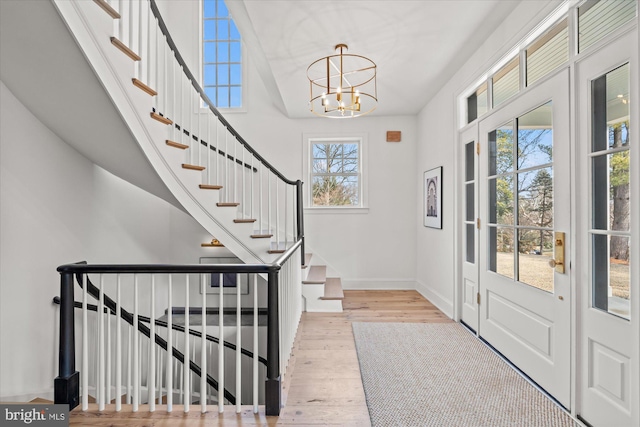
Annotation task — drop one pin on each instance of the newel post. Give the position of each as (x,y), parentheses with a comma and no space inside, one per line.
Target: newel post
(66,386)
(273,389)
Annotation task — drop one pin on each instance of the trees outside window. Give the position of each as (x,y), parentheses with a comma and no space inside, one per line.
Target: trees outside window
(336,173)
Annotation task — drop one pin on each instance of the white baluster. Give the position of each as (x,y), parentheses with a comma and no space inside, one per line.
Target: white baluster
(108,315)
(159,374)
(170,347)
(129,350)
(85,347)
(278,213)
(217,153)
(203,347)
(221,346)
(244,190)
(208,151)
(238,345)
(235,171)
(151,373)
(226,164)
(268,203)
(260,200)
(118,344)
(101,347)
(192,140)
(256,353)
(187,358)
(286,214)
(140,64)
(198,112)
(136,347)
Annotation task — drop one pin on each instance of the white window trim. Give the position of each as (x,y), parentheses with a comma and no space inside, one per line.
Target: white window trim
(200,74)
(307,140)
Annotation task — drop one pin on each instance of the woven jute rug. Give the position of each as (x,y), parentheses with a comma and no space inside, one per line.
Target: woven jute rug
(441,375)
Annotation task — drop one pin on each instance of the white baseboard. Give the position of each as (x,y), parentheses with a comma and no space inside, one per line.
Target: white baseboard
(435,298)
(27,397)
(379,284)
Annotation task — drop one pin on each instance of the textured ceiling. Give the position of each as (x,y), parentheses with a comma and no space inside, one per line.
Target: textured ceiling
(417,45)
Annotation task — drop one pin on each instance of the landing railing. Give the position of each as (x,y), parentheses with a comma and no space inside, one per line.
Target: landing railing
(246,181)
(125,368)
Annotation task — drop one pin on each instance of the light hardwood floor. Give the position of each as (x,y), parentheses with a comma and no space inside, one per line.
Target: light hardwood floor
(324,386)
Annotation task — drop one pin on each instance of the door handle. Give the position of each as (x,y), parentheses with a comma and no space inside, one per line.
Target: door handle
(557,261)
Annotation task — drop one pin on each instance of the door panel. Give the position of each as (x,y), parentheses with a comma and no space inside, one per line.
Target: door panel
(524,197)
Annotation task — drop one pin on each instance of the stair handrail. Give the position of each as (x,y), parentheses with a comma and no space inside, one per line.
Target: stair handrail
(214,110)
(67,384)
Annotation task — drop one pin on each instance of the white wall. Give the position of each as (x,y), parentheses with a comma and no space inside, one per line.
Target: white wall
(368,250)
(57,207)
(437,138)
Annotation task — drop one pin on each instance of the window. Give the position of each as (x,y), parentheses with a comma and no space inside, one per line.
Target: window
(598,18)
(222,56)
(336,172)
(477,103)
(611,204)
(506,82)
(548,52)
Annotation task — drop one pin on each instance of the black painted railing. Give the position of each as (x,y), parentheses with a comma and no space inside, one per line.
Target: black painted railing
(67,384)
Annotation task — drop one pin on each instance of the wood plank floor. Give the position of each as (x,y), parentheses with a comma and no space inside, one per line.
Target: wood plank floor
(324,386)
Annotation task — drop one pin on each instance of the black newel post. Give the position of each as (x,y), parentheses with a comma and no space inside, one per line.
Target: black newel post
(300,217)
(273,396)
(67,385)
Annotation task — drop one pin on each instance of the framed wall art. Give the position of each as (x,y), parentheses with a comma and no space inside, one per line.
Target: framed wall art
(432,203)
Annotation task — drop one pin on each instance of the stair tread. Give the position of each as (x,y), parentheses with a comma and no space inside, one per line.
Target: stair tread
(144,87)
(161,119)
(227,204)
(261,236)
(244,220)
(210,187)
(125,49)
(317,275)
(177,145)
(307,260)
(193,167)
(333,289)
(107,8)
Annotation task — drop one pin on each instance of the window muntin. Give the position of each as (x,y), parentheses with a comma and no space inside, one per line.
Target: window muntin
(598,18)
(336,172)
(222,56)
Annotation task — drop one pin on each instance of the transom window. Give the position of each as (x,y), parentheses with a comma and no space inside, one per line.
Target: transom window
(222,56)
(336,172)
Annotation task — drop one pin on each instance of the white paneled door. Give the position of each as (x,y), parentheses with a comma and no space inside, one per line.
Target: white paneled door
(524,209)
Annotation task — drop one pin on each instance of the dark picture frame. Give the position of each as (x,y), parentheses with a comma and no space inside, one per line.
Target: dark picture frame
(432,201)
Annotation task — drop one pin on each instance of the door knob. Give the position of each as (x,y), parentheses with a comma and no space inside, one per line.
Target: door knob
(553,263)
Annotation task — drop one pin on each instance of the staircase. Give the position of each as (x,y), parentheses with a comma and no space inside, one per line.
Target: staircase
(320,293)
(215,175)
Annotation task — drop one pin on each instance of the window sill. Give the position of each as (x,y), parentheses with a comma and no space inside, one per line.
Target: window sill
(335,210)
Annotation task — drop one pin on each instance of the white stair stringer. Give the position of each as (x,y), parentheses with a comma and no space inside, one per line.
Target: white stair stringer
(92,30)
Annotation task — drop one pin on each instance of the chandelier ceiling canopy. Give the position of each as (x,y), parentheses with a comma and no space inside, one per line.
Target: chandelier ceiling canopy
(342,85)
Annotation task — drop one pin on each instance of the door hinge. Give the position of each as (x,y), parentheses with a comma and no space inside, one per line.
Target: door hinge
(478,298)
(478,223)
(478,148)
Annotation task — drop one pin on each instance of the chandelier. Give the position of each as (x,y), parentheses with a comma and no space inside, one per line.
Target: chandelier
(342,85)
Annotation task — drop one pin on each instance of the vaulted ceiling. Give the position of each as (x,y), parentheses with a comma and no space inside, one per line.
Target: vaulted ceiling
(417,44)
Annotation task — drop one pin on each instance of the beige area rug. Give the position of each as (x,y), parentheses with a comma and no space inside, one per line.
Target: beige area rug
(418,374)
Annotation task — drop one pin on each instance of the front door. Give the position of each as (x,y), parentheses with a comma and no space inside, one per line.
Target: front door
(525,223)
(608,376)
